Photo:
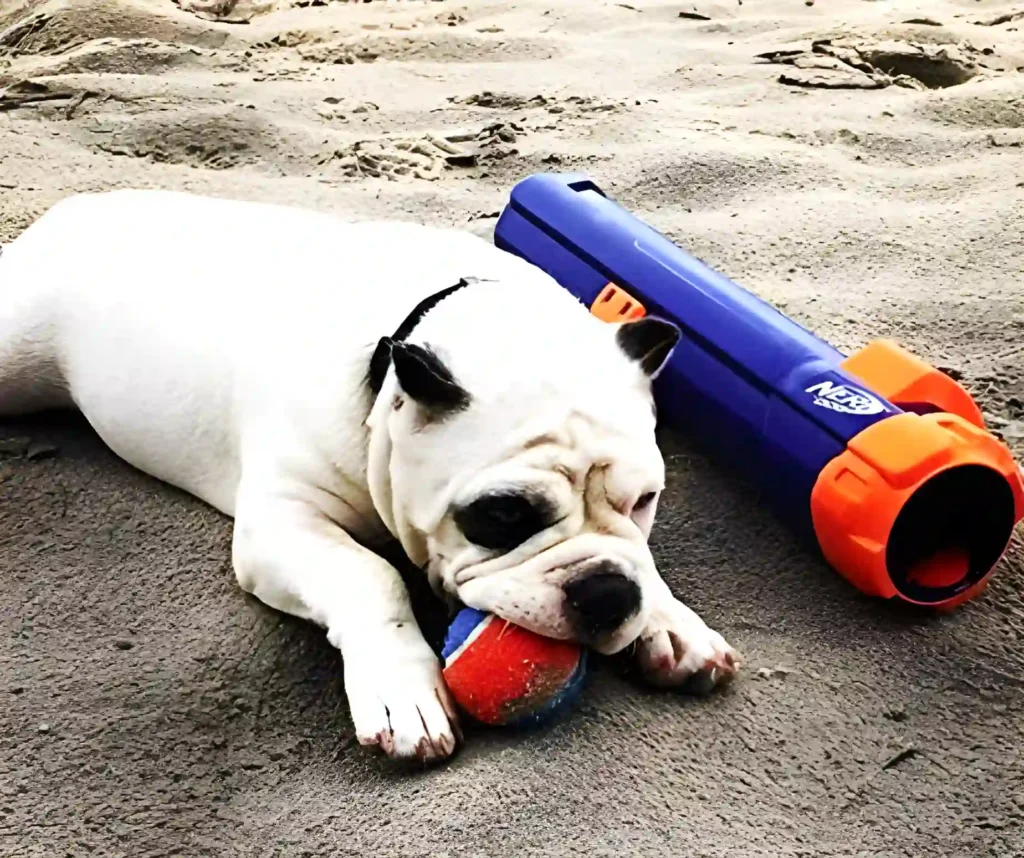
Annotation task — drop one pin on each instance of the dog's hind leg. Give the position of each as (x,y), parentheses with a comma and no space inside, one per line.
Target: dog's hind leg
(30,374)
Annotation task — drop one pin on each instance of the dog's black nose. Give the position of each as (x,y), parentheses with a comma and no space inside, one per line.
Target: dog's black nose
(600,600)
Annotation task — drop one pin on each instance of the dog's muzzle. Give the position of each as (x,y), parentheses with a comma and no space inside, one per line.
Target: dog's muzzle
(600,598)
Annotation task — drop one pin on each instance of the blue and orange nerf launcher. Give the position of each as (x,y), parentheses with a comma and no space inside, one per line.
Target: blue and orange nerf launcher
(881,459)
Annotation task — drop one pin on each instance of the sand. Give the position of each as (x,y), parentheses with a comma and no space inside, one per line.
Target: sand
(858,163)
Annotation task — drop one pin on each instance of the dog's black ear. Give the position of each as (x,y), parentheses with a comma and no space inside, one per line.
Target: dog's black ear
(649,342)
(423,377)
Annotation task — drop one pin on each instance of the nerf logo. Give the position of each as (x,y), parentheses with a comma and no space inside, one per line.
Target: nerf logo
(844,399)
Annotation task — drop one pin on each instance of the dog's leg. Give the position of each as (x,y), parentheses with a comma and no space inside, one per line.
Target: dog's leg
(677,647)
(292,557)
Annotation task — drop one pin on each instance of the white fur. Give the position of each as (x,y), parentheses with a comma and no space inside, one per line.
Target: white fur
(222,346)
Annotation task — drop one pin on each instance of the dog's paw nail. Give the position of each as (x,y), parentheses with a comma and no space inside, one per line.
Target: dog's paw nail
(425,750)
(429,749)
(382,740)
(711,675)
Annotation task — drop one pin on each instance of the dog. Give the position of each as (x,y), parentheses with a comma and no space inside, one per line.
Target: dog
(334,385)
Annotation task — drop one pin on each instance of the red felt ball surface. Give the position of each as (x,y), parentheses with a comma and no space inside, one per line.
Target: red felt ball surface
(502,673)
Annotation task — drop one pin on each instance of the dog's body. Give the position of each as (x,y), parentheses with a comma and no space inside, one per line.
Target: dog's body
(506,441)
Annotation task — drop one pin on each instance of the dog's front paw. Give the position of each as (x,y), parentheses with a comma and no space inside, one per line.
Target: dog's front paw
(404,709)
(677,648)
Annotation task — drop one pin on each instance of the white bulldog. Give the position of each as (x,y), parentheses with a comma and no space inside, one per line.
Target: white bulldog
(332,385)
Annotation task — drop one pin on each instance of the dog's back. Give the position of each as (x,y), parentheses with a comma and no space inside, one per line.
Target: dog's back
(164,316)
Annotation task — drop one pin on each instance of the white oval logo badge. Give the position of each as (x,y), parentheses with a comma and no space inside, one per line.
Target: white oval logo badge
(844,398)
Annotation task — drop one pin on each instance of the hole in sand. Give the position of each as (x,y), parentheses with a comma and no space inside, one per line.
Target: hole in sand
(936,69)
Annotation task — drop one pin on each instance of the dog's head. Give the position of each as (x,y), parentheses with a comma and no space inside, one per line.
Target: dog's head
(515,459)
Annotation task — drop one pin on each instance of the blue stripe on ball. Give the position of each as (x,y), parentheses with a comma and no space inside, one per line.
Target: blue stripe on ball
(461,628)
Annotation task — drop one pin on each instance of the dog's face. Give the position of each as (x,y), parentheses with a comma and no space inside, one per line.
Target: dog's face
(527,485)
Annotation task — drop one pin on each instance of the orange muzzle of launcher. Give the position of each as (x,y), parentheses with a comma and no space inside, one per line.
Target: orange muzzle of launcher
(921,505)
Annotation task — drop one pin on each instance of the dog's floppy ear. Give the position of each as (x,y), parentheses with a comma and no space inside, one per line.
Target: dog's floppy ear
(648,341)
(425,379)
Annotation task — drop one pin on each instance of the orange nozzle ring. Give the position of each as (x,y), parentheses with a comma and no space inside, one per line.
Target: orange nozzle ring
(919,507)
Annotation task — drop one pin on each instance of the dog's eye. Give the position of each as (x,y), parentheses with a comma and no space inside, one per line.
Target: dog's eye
(644,501)
(500,522)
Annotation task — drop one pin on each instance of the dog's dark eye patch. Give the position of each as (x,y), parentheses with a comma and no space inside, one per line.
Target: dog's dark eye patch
(501,520)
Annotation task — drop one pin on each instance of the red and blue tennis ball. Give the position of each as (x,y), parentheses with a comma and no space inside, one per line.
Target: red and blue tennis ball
(501,674)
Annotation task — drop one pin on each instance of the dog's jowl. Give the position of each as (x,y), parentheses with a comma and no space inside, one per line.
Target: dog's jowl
(332,385)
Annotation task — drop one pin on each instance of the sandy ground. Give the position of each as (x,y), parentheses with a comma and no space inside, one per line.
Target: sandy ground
(868,177)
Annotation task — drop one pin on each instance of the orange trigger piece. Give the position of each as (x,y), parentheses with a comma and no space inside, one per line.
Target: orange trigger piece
(617,305)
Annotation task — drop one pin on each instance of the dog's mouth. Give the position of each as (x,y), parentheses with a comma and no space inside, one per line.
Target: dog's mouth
(595,598)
